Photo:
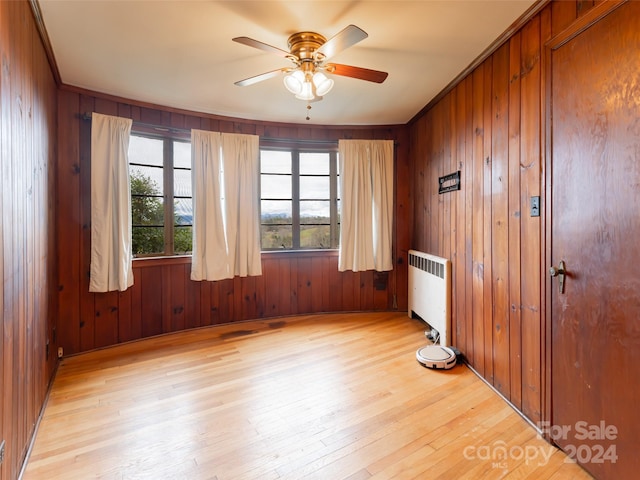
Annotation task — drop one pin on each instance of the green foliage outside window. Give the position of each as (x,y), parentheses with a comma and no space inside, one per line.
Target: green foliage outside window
(147,218)
(182,240)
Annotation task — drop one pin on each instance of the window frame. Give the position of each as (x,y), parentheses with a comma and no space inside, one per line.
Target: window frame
(296,148)
(168,137)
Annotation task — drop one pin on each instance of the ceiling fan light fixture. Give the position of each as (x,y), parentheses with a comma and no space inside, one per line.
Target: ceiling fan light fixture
(294,82)
(307,92)
(322,83)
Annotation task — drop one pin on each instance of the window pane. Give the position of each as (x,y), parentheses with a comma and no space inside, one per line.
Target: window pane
(182,240)
(182,183)
(147,240)
(276,236)
(147,151)
(314,163)
(146,180)
(307,194)
(183,211)
(314,187)
(316,212)
(275,186)
(181,155)
(272,161)
(275,211)
(315,237)
(183,207)
(147,211)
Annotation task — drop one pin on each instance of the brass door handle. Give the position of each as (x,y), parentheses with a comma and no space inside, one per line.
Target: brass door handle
(559,272)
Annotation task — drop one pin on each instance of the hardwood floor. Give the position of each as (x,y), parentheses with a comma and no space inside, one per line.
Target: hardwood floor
(336,396)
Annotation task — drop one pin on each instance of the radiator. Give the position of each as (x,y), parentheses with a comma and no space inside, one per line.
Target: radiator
(430,292)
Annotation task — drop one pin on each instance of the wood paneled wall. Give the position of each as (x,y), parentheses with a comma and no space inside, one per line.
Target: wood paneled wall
(489,127)
(27,233)
(163,298)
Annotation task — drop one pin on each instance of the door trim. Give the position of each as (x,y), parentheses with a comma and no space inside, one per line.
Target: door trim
(593,16)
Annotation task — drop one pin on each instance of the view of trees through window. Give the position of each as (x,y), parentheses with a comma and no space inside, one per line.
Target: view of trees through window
(157,167)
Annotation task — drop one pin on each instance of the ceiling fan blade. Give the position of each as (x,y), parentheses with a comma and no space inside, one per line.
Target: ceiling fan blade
(356,72)
(260,78)
(250,42)
(342,40)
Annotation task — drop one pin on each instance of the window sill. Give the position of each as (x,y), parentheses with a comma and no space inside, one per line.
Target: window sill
(142,262)
(301,253)
(159,261)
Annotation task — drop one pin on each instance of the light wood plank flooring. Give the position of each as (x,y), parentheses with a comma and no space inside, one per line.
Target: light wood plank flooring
(329,397)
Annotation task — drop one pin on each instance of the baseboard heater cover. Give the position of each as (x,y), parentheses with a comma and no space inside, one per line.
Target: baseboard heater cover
(430,292)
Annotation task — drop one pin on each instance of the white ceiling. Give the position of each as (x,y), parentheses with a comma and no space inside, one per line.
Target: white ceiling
(180,54)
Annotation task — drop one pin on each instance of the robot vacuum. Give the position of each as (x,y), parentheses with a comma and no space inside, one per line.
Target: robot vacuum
(436,357)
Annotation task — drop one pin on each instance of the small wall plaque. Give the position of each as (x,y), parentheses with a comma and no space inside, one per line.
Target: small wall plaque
(449,183)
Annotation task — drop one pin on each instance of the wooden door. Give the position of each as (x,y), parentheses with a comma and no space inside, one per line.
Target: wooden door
(595,229)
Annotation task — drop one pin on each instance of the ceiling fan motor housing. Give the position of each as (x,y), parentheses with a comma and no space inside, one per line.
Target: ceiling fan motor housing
(304,45)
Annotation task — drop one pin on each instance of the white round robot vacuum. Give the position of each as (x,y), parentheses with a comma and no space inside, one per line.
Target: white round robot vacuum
(436,357)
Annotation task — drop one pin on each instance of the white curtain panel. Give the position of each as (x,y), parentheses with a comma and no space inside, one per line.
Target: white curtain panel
(111,246)
(366,217)
(241,154)
(209,249)
(226,221)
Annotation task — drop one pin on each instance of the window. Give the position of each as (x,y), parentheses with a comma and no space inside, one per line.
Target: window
(299,198)
(161,199)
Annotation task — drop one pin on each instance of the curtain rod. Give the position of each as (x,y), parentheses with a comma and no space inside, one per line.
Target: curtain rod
(302,140)
(159,128)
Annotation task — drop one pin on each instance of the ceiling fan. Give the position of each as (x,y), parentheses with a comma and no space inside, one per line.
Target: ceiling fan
(308,51)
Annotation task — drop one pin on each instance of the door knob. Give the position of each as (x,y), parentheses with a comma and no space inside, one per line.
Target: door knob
(559,272)
(555,271)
